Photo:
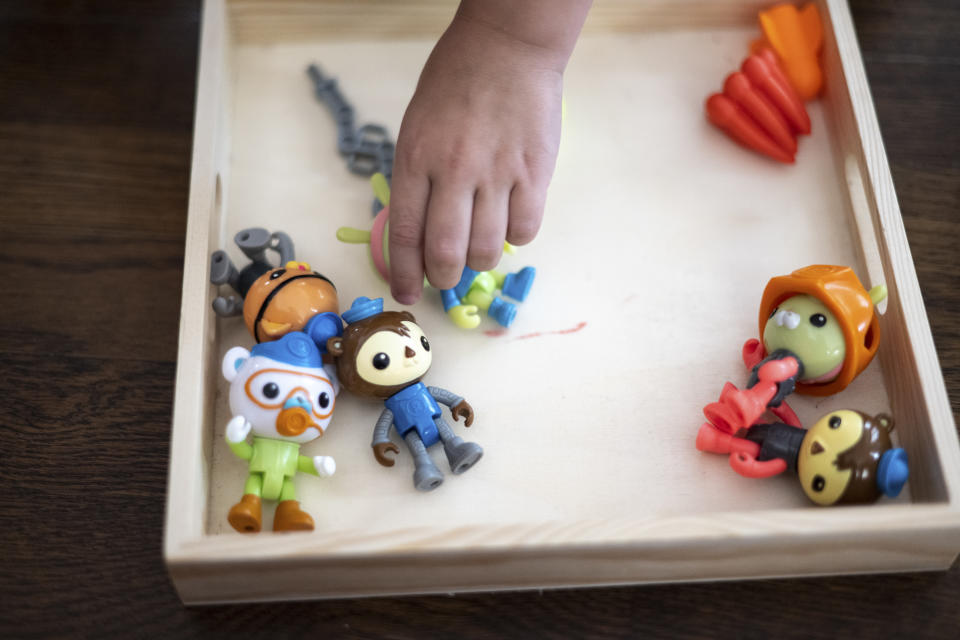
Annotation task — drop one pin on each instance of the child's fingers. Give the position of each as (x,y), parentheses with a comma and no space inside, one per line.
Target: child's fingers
(526,213)
(408,204)
(488,227)
(447,233)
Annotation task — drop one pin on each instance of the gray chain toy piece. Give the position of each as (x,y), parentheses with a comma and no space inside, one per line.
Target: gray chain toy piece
(368,150)
(253,242)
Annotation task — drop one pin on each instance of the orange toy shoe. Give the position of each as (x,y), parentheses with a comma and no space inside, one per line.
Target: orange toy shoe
(289,517)
(245,515)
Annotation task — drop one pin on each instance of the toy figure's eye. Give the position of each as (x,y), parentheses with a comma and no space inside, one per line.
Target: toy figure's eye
(381,361)
(818,483)
(773,313)
(423,341)
(271,390)
(835,422)
(323,400)
(276,274)
(818,319)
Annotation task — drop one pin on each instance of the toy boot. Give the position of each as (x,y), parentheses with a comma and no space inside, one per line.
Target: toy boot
(517,285)
(245,515)
(289,517)
(426,476)
(502,311)
(462,455)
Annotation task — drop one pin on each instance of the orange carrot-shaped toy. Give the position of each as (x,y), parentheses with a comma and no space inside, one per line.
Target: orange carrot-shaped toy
(729,116)
(796,36)
(763,71)
(759,109)
(739,88)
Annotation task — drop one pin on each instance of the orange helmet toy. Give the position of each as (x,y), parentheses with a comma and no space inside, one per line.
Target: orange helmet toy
(840,291)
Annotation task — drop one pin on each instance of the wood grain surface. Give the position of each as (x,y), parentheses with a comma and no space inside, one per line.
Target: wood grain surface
(96,107)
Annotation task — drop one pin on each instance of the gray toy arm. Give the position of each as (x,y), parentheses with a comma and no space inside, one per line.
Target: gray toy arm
(381,441)
(384,422)
(459,408)
(443,396)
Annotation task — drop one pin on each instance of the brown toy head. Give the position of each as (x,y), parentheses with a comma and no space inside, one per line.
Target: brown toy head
(284,299)
(381,354)
(840,456)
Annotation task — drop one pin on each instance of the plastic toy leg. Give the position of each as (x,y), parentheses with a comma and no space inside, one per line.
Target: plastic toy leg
(289,516)
(712,440)
(426,477)
(517,285)
(460,454)
(502,311)
(750,467)
(738,408)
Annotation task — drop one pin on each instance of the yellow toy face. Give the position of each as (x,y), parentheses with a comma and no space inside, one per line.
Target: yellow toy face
(388,358)
(817,464)
(804,325)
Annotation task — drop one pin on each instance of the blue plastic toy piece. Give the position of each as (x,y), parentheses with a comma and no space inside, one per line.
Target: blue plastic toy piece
(362,307)
(892,472)
(294,348)
(517,285)
(502,311)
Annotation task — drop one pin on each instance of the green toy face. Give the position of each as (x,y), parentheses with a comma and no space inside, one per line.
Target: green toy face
(806,327)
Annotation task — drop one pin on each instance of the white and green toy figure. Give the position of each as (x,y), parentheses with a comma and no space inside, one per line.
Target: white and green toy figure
(476,291)
(281,392)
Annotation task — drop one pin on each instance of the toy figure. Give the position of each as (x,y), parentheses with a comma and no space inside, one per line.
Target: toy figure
(280,391)
(384,354)
(819,332)
(276,300)
(476,290)
(846,457)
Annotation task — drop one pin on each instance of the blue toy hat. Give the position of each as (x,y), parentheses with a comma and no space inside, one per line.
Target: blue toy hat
(892,472)
(295,348)
(362,308)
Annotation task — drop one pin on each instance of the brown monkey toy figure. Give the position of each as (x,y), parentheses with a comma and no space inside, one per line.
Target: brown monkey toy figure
(384,354)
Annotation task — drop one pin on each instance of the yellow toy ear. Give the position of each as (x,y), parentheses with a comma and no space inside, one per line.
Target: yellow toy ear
(381,188)
(509,248)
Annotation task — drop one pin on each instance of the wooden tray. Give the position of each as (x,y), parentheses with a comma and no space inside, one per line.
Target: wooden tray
(659,236)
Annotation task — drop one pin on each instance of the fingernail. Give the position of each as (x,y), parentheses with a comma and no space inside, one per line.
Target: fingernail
(406,298)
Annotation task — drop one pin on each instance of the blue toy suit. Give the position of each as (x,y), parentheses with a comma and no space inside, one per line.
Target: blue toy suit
(415,408)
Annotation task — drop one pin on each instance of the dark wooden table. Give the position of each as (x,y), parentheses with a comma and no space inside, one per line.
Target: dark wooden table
(96,108)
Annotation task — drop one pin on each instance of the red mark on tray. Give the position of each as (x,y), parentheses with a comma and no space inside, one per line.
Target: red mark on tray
(496,333)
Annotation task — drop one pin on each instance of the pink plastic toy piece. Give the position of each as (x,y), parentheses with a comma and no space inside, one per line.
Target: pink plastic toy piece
(753,353)
(712,440)
(750,467)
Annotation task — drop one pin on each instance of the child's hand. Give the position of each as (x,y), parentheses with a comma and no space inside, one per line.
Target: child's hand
(478,142)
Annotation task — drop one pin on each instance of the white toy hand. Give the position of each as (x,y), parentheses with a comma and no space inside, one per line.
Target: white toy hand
(237,429)
(325,466)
